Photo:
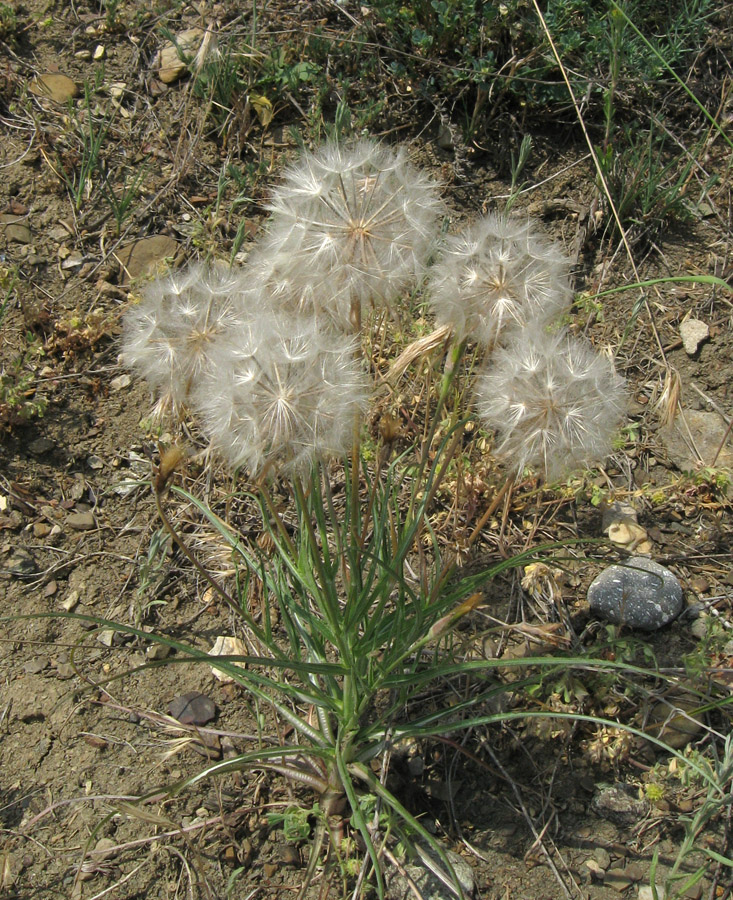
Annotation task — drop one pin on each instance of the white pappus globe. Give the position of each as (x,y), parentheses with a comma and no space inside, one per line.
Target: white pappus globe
(495,275)
(350,225)
(172,337)
(287,396)
(553,402)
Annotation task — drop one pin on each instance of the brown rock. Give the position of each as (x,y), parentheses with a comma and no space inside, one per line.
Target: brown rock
(54,86)
(618,880)
(146,256)
(81,521)
(15,229)
(193,708)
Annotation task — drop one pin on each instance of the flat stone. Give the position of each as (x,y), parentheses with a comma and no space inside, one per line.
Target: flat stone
(54,86)
(638,593)
(620,806)
(146,256)
(170,64)
(634,871)
(693,332)
(618,880)
(41,446)
(15,229)
(120,382)
(81,521)
(227,646)
(697,431)
(193,708)
(22,563)
(34,666)
(675,729)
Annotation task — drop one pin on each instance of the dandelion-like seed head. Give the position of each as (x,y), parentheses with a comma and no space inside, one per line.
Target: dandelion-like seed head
(554,403)
(496,275)
(287,399)
(174,335)
(352,225)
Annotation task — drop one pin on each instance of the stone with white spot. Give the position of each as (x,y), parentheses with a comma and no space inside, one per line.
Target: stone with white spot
(639,593)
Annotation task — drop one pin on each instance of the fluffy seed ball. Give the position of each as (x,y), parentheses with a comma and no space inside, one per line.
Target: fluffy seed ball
(287,396)
(173,336)
(349,226)
(498,274)
(553,402)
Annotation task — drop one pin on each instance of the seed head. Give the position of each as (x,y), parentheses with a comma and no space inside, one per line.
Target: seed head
(287,396)
(498,274)
(350,225)
(554,403)
(173,336)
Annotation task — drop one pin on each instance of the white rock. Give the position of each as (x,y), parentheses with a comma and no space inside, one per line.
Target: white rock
(646,893)
(227,646)
(170,64)
(120,382)
(693,332)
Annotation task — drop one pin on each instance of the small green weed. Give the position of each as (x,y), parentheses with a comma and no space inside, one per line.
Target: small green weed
(9,24)
(152,572)
(647,185)
(79,168)
(122,195)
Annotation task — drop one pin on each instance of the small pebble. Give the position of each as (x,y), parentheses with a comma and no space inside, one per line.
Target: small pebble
(693,332)
(71,601)
(193,708)
(81,521)
(699,584)
(699,628)
(41,446)
(34,666)
(597,873)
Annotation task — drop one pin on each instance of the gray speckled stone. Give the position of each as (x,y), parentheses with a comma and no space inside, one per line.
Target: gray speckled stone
(640,593)
(429,885)
(618,804)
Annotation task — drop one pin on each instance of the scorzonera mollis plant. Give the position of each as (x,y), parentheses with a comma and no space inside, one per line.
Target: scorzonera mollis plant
(268,360)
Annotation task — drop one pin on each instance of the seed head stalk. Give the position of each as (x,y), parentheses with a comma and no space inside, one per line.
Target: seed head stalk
(356,525)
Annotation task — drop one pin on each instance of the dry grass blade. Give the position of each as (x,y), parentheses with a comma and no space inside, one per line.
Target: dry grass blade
(418,350)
